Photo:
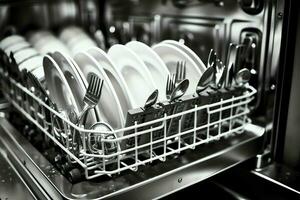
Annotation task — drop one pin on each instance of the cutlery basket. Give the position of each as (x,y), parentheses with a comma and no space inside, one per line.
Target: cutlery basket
(146,138)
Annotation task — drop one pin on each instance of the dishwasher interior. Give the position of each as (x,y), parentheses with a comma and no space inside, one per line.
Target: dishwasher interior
(146,160)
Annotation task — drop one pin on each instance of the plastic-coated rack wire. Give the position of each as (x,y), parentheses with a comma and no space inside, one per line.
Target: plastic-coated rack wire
(111,155)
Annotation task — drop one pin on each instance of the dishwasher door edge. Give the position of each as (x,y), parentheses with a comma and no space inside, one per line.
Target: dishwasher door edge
(152,182)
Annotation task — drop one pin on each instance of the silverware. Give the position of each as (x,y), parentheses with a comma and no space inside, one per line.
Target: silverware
(177,93)
(207,79)
(180,71)
(72,115)
(170,86)
(179,90)
(219,66)
(231,64)
(229,76)
(223,73)
(230,54)
(91,97)
(238,61)
(244,57)
(95,145)
(212,58)
(242,77)
(151,99)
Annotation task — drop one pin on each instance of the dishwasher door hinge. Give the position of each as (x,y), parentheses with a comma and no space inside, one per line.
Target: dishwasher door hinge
(262,160)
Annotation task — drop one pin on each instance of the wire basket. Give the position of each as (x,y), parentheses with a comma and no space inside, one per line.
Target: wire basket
(112,152)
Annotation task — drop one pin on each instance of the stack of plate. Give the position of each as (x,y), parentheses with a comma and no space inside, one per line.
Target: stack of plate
(76,39)
(130,72)
(25,56)
(45,42)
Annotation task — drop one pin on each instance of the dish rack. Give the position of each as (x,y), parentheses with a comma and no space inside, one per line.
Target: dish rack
(101,153)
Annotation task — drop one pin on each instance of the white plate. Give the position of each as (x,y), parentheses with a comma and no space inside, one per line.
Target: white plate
(32,63)
(69,32)
(170,55)
(45,42)
(37,36)
(10,40)
(20,56)
(82,46)
(134,72)
(60,91)
(109,104)
(78,87)
(77,39)
(53,46)
(189,52)
(39,73)
(16,47)
(115,77)
(154,63)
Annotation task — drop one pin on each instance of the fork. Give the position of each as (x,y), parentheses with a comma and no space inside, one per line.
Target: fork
(180,71)
(91,98)
(212,57)
(170,85)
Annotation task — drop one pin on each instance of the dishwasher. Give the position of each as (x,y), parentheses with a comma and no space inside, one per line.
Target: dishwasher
(241,114)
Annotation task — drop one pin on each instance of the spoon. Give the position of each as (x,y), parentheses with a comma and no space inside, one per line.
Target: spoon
(151,99)
(212,57)
(222,78)
(242,77)
(179,90)
(94,140)
(72,115)
(230,54)
(206,79)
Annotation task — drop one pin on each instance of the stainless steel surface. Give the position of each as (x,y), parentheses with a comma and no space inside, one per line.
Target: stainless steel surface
(281,175)
(152,181)
(291,154)
(12,185)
